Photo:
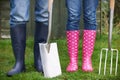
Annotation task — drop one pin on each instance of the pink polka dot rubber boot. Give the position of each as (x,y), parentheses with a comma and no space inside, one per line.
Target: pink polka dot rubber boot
(87,49)
(72,44)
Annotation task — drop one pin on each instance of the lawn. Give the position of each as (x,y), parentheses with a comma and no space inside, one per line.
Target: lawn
(7,61)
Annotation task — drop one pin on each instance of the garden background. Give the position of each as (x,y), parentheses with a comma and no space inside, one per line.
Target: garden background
(58,35)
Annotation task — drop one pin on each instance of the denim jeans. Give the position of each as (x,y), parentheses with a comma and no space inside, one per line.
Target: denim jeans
(20,11)
(74,12)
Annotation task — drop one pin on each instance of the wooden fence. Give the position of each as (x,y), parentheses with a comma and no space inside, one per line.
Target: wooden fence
(58,22)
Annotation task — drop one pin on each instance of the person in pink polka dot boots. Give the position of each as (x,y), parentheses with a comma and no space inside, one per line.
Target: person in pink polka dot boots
(73,32)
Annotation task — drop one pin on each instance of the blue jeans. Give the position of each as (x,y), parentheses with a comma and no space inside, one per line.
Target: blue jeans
(74,12)
(20,11)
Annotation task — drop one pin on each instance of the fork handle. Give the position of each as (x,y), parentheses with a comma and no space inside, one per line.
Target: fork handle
(112,4)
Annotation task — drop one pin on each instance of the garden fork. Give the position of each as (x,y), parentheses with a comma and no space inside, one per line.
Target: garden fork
(109,49)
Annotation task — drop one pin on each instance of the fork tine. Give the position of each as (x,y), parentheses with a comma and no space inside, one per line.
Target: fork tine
(116,62)
(111,61)
(100,61)
(105,61)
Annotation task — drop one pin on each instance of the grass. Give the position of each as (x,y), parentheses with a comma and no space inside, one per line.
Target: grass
(7,61)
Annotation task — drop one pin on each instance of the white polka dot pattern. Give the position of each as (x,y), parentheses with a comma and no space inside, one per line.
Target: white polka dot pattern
(88,47)
(72,44)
